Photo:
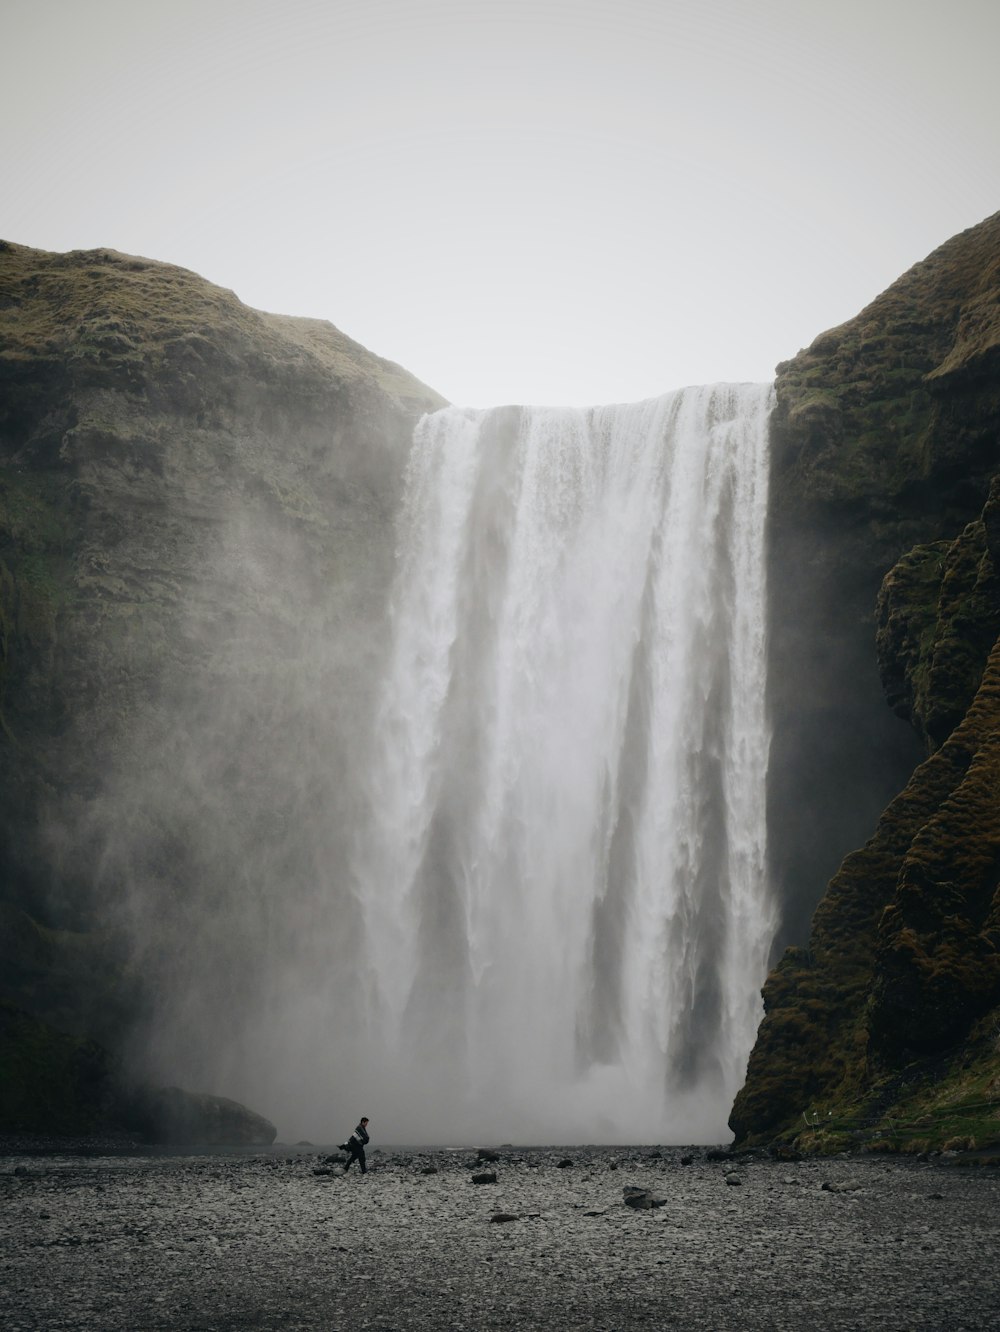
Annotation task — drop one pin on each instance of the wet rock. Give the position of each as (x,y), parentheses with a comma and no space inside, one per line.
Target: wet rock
(173,1116)
(564,1164)
(487,1154)
(485,1177)
(500,1218)
(641,1199)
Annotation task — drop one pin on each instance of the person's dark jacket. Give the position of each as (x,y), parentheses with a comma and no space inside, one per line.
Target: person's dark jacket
(361,1133)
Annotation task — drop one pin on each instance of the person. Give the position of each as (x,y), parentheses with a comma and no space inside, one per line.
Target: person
(355,1144)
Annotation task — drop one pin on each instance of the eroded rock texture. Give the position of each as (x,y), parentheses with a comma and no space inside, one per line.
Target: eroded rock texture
(193,494)
(887,435)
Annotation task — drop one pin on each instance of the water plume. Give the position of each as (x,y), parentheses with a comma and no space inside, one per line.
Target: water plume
(565,914)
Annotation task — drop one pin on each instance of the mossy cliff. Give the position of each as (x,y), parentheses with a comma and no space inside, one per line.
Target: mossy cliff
(189,490)
(884,436)
(885,543)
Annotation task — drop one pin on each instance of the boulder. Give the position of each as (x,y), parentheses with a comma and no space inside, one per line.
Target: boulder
(641,1199)
(841,1185)
(172,1116)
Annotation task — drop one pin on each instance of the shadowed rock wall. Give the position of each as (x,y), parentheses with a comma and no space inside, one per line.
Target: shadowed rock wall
(191,494)
(886,439)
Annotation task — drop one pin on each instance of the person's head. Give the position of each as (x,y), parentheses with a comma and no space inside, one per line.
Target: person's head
(364,1119)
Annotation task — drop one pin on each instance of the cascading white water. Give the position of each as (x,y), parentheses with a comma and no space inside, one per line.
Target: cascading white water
(563,883)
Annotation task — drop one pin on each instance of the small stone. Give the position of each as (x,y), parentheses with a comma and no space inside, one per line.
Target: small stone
(485,1177)
(499,1218)
(564,1164)
(640,1198)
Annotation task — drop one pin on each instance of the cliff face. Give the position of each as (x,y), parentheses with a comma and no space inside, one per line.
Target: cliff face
(888,434)
(196,503)
(884,436)
(195,544)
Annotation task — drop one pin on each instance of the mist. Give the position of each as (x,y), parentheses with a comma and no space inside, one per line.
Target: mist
(470,841)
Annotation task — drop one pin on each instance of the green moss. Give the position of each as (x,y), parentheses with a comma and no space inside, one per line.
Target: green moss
(938,616)
(113,320)
(904,957)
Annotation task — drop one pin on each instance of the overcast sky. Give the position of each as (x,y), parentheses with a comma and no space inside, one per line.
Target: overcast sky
(559,201)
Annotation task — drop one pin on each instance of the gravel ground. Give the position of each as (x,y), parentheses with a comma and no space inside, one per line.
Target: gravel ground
(258,1241)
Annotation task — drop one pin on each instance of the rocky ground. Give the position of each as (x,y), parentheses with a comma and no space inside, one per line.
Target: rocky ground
(261,1241)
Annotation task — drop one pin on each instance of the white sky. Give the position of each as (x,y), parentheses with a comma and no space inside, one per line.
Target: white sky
(561,201)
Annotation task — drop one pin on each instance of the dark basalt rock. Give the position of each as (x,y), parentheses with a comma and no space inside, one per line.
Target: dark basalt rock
(888,1016)
(172,1116)
(885,436)
(143,412)
(641,1199)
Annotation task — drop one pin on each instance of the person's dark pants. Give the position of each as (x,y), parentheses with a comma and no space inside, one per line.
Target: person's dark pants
(357,1154)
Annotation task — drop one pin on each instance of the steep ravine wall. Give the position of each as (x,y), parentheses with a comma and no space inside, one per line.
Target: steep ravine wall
(196,503)
(195,509)
(885,607)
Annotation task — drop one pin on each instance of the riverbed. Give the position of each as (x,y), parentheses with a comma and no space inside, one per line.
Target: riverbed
(258,1240)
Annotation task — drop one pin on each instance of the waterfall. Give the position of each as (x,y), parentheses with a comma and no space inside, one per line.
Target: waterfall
(562,884)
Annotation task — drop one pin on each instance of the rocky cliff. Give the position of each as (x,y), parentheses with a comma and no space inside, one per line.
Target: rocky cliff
(195,545)
(884,546)
(195,515)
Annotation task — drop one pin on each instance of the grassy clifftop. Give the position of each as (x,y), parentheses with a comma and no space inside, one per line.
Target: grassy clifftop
(93,317)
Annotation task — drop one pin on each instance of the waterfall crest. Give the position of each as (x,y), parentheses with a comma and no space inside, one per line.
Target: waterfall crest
(562,884)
